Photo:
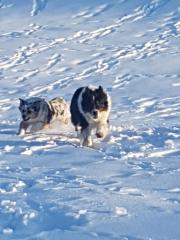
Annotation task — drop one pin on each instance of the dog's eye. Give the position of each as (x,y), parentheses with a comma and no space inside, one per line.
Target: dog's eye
(105,103)
(29,111)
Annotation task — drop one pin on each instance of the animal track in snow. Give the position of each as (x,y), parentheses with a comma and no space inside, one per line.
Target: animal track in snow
(89,13)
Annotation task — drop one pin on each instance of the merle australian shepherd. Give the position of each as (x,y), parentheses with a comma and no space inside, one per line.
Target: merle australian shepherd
(37,113)
(90,108)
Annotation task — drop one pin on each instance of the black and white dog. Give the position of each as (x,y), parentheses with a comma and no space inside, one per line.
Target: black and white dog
(37,113)
(90,108)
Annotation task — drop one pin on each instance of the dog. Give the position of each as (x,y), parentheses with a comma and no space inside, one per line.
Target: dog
(90,108)
(37,113)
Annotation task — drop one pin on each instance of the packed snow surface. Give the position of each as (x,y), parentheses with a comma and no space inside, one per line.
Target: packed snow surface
(128,186)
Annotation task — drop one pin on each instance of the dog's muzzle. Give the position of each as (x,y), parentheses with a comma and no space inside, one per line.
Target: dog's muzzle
(25,118)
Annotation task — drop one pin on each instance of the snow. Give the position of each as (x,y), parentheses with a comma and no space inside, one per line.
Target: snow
(127,186)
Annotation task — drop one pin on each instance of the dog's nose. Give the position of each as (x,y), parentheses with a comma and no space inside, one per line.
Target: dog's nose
(95,113)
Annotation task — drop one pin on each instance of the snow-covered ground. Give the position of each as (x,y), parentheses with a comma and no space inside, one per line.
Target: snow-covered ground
(128,186)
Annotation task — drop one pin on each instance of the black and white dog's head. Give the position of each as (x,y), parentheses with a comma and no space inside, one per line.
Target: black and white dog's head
(30,108)
(94,103)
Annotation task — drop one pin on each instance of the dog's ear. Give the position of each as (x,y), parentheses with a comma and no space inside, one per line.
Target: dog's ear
(100,88)
(88,90)
(22,102)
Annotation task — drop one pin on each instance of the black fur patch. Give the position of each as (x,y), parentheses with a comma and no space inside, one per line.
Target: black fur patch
(76,117)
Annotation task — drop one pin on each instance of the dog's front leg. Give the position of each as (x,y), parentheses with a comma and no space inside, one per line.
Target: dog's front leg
(23,128)
(86,138)
(102,130)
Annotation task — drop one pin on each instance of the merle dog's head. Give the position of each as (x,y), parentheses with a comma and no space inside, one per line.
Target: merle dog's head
(30,108)
(94,102)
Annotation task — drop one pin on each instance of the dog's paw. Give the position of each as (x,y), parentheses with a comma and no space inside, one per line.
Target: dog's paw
(99,135)
(21,133)
(102,131)
(47,126)
(87,142)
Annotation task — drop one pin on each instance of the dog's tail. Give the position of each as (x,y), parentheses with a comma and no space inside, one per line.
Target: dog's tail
(59,109)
